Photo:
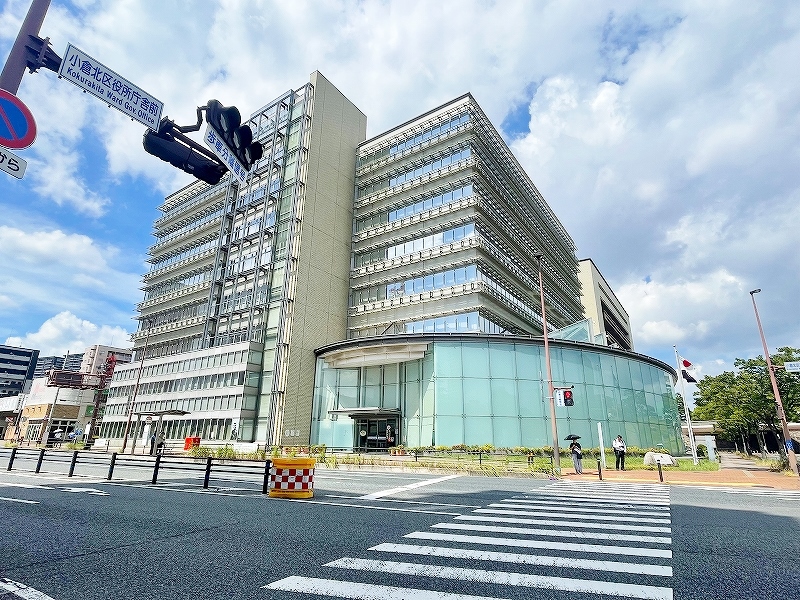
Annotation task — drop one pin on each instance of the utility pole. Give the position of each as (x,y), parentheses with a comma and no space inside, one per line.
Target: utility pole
(135,390)
(550,389)
(787,438)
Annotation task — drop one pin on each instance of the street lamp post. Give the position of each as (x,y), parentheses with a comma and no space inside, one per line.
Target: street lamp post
(135,389)
(551,395)
(778,404)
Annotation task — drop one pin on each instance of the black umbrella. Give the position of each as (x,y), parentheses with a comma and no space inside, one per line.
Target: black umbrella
(572,436)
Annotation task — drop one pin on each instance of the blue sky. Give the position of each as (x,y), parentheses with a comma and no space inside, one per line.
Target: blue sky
(663,134)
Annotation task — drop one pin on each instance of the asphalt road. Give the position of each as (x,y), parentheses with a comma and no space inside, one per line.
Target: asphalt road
(391,535)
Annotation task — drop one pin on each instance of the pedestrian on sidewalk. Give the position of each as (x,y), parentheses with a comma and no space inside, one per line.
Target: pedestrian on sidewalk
(619,451)
(577,456)
(152,443)
(160,443)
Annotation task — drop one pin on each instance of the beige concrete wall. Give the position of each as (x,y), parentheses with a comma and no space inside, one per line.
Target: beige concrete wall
(321,295)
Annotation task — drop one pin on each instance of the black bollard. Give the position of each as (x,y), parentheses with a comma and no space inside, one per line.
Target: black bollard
(111,465)
(265,487)
(155,468)
(660,472)
(599,469)
(72,464)
(39,462)
(11,458)
(208,473)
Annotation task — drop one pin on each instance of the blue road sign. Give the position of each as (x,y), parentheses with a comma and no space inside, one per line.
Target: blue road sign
(17,127)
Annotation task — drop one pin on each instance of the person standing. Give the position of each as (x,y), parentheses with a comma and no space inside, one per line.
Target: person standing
(160,443)
(619,452)
(152,443)
(577,456)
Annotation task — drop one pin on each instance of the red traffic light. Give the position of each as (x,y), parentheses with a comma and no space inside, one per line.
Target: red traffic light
(568,400)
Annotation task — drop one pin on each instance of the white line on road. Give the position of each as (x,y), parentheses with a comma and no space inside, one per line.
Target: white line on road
(583,524)
(554,513)
(527,559)
(613,498)
(18,500)
(544,544)
(403,501)
(585,501)
(29,486)
(389,508)
(585,586)
(14,589)
(562,508)
(362,591)
(570,533)
(405,488)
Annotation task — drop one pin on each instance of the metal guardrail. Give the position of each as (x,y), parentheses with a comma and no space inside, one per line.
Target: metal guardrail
(78,457)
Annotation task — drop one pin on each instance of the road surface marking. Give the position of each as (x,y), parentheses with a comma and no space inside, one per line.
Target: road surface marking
(89,491)
(584,586)
(25,485)
(570,533)
(18,500)
(544,544)
(362,591)
(370,507)
(621,498)
(14,589)
(527,559)
(562,508)
(405,488)
(583,524)
(588,516)
(341,496)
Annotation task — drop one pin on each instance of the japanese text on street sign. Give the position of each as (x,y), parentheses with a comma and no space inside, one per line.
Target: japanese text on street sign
(792,366)
(97,79)
(12,164)
(224,153)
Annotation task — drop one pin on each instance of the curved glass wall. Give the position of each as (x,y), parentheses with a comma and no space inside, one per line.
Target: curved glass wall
(493,390)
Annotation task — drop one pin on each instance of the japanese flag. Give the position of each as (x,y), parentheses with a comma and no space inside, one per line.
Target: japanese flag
(685,363)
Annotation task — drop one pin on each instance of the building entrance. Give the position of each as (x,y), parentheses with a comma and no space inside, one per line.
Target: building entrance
(375,434)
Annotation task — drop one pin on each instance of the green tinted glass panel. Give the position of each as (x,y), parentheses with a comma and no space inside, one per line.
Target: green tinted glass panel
(501,360)
(596,399)
(449,431)
(447,359)
(591,368)
(530,400)
(477,397)
(623,372)
(476,360)
(475,430)
(504,398)
(529,362)
(506,432)
(609,368)
(449,400)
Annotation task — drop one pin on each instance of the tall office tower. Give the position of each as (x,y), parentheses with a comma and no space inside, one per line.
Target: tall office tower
(447,226)
(246,281)
(16,369)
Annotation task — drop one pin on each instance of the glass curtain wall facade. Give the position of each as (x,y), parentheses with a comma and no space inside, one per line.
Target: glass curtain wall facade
(226,264)
(446,227)
(479,390)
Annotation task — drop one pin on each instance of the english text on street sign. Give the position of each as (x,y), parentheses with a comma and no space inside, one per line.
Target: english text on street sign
(12,164)
(792,366)
(220,148)
(94,77)
(17,127)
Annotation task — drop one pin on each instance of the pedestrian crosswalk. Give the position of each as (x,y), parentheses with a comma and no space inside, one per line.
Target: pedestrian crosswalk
(565,539)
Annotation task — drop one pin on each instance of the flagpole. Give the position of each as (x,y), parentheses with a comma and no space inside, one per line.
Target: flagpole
(692,444)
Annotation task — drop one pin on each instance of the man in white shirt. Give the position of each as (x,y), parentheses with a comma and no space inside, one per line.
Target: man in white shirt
(619,451)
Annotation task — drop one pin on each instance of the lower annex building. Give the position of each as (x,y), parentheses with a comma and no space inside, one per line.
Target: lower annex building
(367,293)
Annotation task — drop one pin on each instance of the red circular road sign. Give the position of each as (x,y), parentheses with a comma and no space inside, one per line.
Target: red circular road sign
(17,127)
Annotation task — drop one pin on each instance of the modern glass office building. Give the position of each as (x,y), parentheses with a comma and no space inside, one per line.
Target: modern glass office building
(487,389)
(388,286)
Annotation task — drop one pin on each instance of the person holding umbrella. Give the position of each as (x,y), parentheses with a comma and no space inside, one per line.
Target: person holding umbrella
(576,452)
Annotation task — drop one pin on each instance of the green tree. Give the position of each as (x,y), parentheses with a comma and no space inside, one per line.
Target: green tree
(742,401)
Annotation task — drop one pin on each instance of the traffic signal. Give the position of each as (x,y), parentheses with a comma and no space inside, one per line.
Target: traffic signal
(568,399)
(227,122)
(172,146)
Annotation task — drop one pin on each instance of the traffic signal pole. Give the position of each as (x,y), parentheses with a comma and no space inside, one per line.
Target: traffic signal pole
(550,388)
(27,43)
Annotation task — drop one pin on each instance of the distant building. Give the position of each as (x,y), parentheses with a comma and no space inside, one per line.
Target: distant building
(46,363)
(16,369)
(95,357)
(609,318)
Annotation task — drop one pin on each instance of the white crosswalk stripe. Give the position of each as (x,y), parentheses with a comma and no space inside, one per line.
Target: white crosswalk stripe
(582,538)
(771,493)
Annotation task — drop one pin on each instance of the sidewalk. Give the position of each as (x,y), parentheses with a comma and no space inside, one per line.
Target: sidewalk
(734,472)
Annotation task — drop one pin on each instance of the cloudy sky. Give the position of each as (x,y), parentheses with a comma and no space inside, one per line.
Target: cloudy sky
(663,134)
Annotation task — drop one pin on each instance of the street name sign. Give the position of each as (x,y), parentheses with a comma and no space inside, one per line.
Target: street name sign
(94,77)
(17,127)
(792,367)
(12,164)
(214,141)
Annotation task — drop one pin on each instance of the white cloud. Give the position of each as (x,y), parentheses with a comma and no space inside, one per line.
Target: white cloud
(65,332)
